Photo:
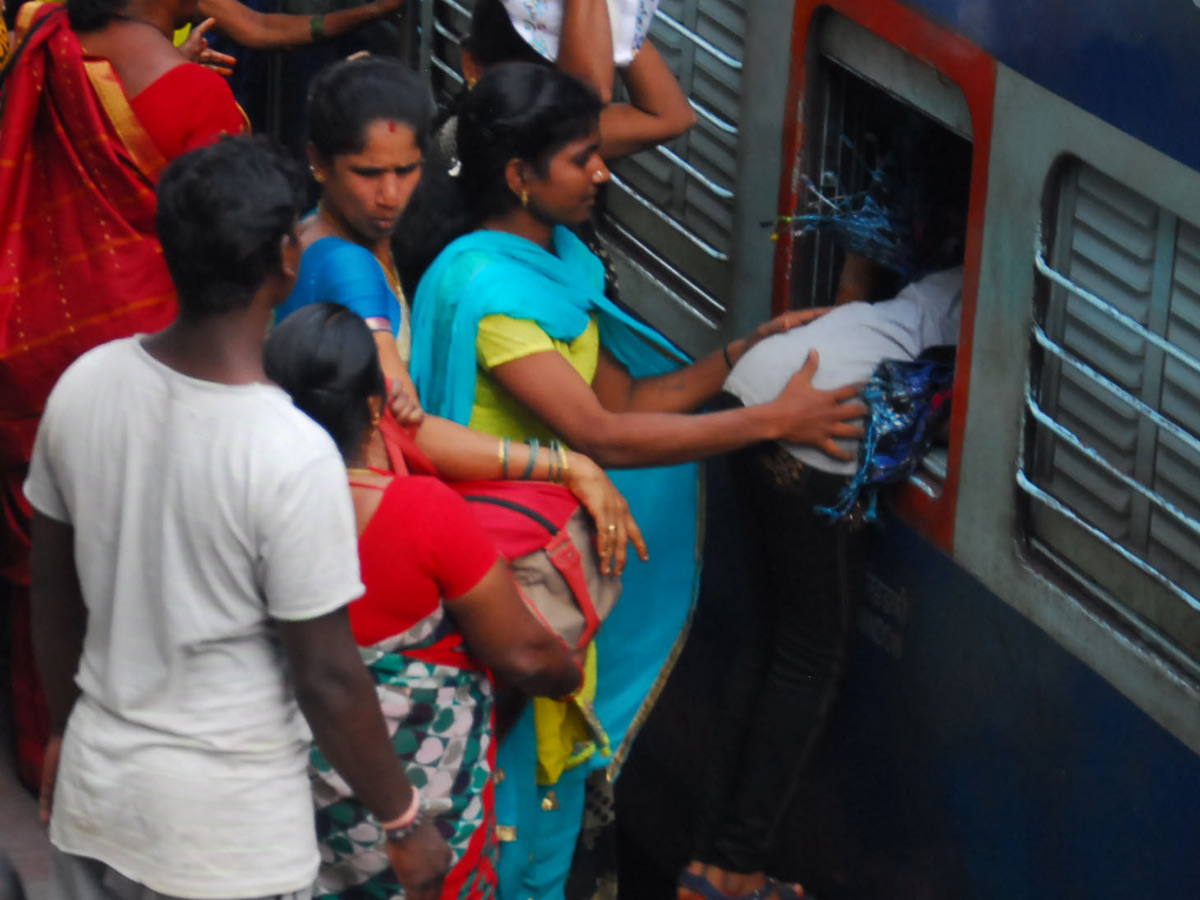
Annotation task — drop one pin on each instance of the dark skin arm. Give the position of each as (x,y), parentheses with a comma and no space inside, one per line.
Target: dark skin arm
(548,385)
(337,697)
(503,634)
(691,387)
(274,31)
(621,421)
(585,47)
(657,110)
(463,454)
(59,619)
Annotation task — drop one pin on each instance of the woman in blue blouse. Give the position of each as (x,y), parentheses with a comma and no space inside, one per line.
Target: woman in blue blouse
(369,121)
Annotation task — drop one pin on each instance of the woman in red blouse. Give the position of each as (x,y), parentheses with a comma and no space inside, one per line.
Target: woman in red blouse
(439,618)
(93,103)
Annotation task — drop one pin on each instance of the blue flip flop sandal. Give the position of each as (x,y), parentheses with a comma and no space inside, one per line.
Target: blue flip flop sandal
(709,891)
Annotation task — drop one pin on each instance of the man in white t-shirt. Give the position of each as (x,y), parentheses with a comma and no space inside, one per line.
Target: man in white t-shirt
(194,549)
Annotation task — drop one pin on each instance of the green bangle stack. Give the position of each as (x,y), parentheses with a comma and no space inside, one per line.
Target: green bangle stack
(316,26)
(534,443)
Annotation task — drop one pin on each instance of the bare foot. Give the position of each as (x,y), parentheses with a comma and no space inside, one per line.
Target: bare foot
(739,884)
(733,885)
(696,868)
(736,885)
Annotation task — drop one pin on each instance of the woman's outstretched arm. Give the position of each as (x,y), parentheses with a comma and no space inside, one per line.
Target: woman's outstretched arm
(691,387)
(275,31)
(551,388)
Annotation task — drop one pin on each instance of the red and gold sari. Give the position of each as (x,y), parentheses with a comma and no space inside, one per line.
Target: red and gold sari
(79,265)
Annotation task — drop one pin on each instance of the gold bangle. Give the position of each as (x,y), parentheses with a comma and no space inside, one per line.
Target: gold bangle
(504,457)
(562,473)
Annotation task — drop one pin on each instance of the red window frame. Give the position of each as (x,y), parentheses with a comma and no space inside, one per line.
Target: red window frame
(974,71)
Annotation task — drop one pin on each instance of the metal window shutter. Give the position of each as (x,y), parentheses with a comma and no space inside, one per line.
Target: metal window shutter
(1106,245)
(679,199)
(1145,262)
(1173,548)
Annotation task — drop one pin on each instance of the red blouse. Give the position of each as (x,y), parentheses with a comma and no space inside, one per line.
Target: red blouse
(422,546)
(188,107)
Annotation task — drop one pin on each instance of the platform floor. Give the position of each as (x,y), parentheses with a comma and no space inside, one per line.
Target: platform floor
(21,837)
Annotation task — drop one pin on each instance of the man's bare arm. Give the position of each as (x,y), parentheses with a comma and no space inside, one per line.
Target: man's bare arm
(59,615)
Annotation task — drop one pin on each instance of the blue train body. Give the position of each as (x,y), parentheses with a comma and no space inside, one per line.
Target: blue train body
(1133,64)
(1008,728)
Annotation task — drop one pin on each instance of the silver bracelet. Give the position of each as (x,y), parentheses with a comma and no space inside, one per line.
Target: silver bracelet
(404,832)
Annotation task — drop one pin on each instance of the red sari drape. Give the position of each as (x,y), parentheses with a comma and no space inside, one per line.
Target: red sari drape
(79,265)
(79,261)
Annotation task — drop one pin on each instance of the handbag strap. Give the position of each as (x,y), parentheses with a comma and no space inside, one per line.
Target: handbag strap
(515,507)
(566,558)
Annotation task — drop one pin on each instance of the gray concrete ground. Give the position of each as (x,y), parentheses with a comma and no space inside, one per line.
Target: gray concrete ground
(21,837)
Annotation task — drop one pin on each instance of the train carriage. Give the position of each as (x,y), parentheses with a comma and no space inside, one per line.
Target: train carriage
(1022,713)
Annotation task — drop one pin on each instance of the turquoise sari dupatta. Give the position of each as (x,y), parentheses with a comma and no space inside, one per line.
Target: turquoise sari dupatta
(489,273)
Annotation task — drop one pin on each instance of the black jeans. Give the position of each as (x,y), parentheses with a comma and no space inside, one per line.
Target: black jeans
(785,672)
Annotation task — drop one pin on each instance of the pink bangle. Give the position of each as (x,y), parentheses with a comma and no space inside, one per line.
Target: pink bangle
(408,816)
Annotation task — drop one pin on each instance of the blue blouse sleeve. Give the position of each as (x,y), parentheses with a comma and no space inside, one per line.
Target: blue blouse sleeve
(338,271)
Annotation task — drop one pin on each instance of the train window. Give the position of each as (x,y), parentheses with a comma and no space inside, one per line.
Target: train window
(867,98)
(1112,458)
(864,88)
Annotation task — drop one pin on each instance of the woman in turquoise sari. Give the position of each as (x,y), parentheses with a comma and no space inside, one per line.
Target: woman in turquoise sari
(513,335)
(369,123)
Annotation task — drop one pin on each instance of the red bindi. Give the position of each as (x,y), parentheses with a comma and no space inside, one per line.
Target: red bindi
(392,127)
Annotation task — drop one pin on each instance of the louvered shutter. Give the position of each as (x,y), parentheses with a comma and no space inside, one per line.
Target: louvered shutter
(678,200)
(1132,255)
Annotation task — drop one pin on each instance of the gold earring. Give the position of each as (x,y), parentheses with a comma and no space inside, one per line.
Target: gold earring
(376,418)
(317,176)
(471,82)
(524,197)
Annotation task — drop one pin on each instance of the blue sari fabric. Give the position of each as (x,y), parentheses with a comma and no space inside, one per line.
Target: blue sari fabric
(487,273)
(335,270)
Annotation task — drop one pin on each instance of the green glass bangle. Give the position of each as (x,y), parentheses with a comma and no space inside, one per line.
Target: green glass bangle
(534,443)
(316,26)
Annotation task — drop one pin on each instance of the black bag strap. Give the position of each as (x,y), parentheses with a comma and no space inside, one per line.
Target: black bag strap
(515,507)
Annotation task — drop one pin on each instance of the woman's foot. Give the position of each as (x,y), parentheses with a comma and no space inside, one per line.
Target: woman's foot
(702,881)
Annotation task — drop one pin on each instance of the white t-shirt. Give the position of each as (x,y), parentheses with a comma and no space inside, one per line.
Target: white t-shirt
(852,341)
(540,24)
(201,511)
